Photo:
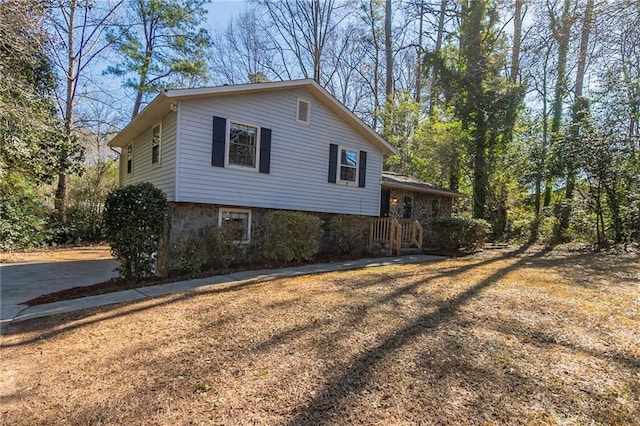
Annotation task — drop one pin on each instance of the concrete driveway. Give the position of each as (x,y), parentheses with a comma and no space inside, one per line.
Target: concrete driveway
(20,282)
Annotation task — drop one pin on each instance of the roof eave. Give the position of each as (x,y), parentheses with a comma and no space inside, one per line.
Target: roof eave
(447,193)
(156,109)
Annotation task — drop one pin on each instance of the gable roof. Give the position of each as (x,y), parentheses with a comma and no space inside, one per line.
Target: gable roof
(396,180)
(162,104)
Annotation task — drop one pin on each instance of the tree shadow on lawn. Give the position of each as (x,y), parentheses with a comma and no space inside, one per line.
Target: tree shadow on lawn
(358,313)
(354,379)
(51,326)
(170,368)
(322,408)
(352,376)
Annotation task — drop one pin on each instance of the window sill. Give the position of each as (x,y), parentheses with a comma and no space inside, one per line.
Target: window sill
(245,168)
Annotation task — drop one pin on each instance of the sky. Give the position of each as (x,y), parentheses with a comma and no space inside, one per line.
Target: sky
(222,11)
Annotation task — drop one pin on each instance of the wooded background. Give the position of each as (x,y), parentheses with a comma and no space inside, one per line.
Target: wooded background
(530,107)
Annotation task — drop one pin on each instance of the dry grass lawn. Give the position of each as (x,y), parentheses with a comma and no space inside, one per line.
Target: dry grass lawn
(536,337)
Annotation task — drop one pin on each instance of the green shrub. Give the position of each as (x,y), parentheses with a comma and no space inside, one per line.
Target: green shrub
(22,216)
(291,236)
(221,248)
(348,234)
(134,218)
(475,234)
(215,250)
(548,227)
(81,226)
(457,233)
(188,255)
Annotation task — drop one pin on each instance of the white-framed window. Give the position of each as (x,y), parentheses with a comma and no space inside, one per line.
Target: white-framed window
(348,166)
(435,207)
(129,159)
(407,207)
(303,111)
(243,145)
(156,141)
(240,219)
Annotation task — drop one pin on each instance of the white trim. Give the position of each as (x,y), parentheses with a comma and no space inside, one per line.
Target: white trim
(357,166)
(159,162)
(227,145)
(300,100)
(178,136)
(221,210)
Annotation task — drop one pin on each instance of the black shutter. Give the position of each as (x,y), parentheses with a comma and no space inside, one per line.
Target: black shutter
(265,150)
(362,169)
(333,162)
(219,141)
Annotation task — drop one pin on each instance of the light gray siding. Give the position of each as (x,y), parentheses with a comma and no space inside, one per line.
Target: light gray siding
(162,176)
(299,157)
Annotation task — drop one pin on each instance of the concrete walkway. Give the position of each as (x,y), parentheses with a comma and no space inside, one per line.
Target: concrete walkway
(23,312)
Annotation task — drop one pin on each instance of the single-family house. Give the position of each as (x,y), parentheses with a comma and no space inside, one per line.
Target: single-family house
(233,152)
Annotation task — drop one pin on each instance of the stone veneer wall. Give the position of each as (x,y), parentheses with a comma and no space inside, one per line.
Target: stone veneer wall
(189,220)
(422,205)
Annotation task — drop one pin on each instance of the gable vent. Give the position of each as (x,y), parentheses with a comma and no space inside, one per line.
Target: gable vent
(303,111)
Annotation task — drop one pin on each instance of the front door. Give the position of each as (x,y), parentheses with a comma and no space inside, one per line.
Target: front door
(384,203)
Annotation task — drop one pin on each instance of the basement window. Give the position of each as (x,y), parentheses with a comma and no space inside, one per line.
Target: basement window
(239,220)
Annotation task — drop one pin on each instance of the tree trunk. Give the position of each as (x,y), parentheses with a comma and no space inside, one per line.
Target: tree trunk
(578,115)
(418,92)
(517,35)
(387,50)
(480,177)
(432,77)
(561,33)
(60,202)
(474,75)
(613,201)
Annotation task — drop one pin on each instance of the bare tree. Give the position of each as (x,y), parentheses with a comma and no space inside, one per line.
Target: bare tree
(561,30)
(304,29)
(240,52)
(438,46)
(388,53)
(77,42)
(518,17)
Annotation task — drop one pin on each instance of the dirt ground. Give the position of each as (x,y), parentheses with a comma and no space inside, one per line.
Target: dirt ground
(57,255)
(506,337)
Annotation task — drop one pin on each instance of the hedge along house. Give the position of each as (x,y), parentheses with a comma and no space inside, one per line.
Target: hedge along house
(230,153)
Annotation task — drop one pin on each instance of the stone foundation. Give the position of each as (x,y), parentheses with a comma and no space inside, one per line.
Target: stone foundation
(189,221)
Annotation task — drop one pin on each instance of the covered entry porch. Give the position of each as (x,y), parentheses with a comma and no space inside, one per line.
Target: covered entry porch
(407,207)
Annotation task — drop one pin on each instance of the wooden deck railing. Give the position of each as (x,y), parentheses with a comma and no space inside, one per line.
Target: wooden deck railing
(385,230)
(412,232)
(394,232)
